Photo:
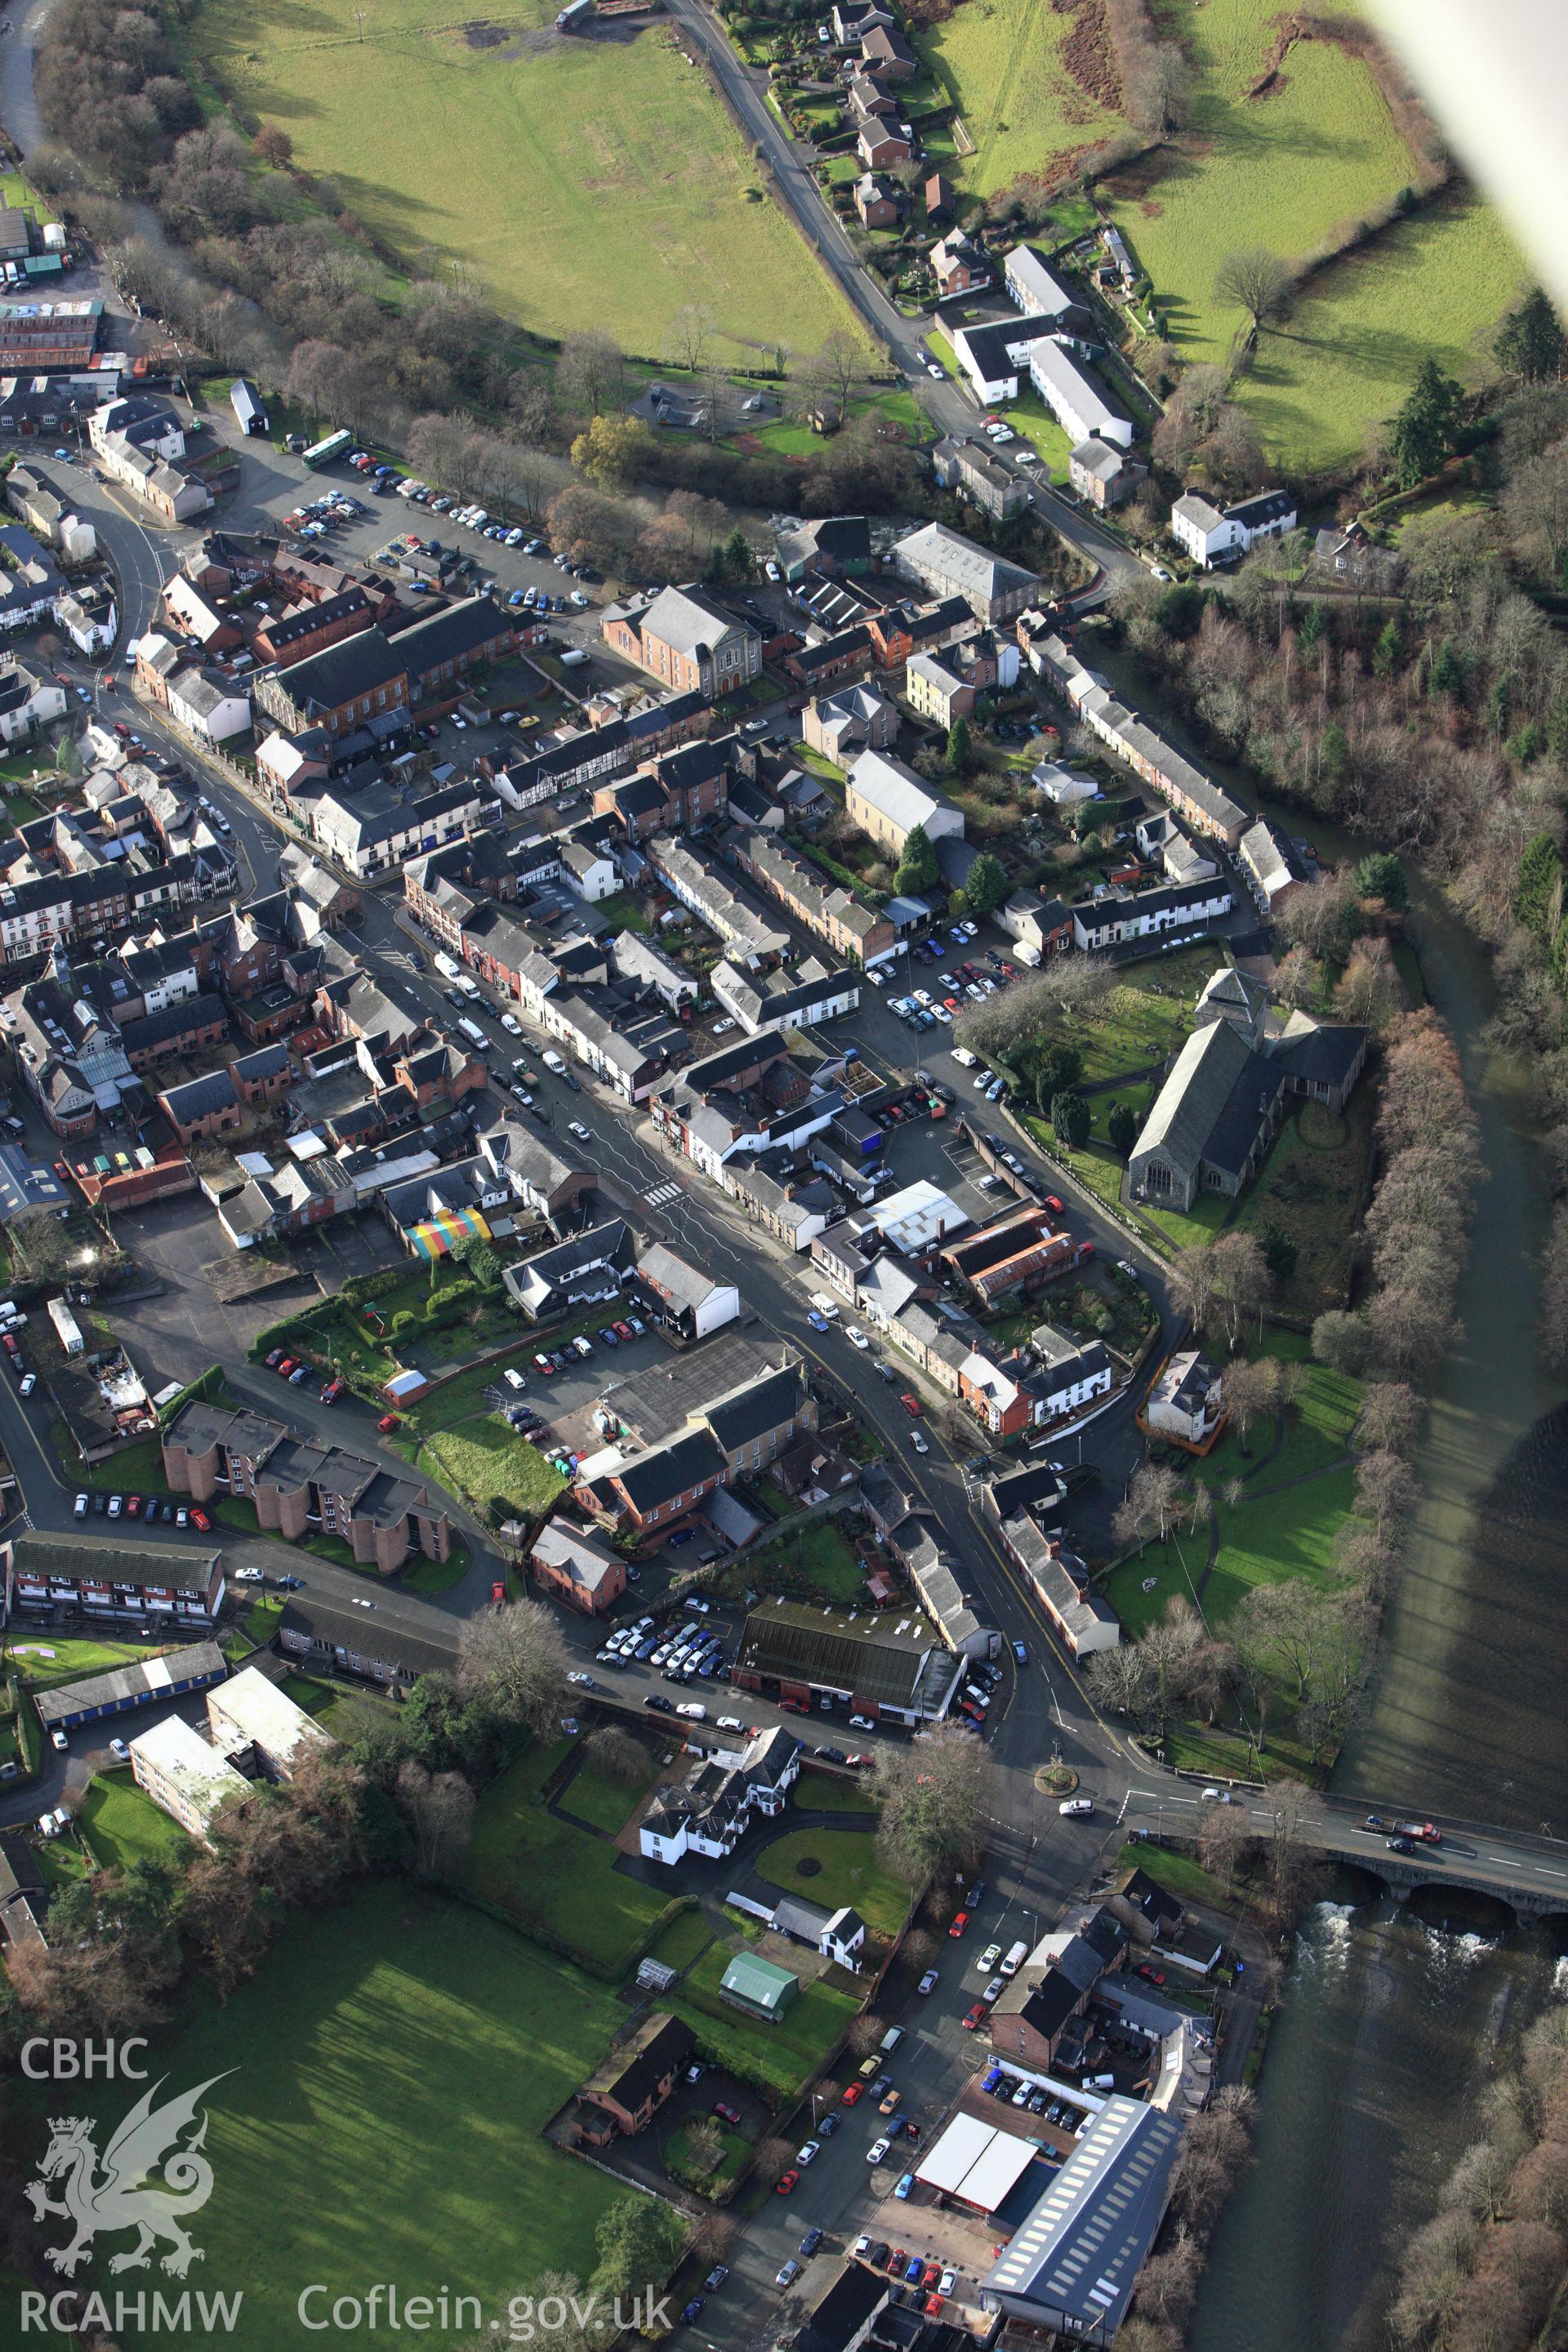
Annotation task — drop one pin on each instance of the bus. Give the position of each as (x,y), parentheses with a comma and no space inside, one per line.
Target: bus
(325,451)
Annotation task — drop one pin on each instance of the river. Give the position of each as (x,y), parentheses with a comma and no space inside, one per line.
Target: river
(1394,2017)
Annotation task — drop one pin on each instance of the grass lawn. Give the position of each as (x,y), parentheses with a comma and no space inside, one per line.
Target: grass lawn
(1312,1185)
(135,1470)
(681,1942)
(1270,1537)
(818,1791)
(532,1865)
(46,1661)
(123,1825)
(436,1575)
(850,1872)
(1030,417)
(1146,1017)
(677,2164)
(1171,1568)
(782,2054)
(1000,63)
(260,1619)
(623,914)
(610,189)
(387,2072)
(819,1553)
(605,1804)
(1176,1872)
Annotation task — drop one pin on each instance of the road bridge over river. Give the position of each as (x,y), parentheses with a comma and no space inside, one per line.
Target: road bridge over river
(1527,1873)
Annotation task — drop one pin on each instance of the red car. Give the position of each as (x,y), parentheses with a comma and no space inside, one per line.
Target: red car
(285,1367)
(497,1594)
(333,1391)
(624,1331)
(1085,1250)
(133,1507)
(960,1922)
(388,1421)
(1153,1976)
(858,1763)
(727,2115)
(953,1004)
(930,2273)
(200,1519)
(932,2306)
(973,2019)
(853,2093)
(274,1360)
(897,2259)
(911,1405)
(783,2186)
(1054,1205)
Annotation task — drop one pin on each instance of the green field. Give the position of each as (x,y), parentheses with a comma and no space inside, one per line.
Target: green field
(387,2072)
(588,182)
(1000,62)
(1278,170)
(123,1825)
(533,1865)
(1436,284)
(848,1871)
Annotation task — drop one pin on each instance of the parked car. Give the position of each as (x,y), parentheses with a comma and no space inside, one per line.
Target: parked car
(927,1983)
(877,2152)
(786,2184)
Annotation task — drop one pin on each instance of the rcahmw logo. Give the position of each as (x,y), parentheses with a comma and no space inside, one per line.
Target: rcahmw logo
(121,2190)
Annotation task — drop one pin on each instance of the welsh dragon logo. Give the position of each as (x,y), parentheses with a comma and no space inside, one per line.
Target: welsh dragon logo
(117,2192)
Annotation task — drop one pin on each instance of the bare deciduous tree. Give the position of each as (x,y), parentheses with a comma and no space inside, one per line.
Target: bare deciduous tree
(1255,280)
(936,1798)
(514,1662)
(1150,1506)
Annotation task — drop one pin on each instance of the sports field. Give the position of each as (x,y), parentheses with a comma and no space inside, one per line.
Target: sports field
(392,2063)
(589,181)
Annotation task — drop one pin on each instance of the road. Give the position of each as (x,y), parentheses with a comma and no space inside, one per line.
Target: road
(949,408)
(1532,1870)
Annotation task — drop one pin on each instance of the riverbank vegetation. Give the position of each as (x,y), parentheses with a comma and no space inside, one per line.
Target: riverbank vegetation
(1488,2273)
(1257,1617)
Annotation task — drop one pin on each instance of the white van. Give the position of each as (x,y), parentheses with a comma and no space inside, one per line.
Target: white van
(1017,1955)
(552,1061)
